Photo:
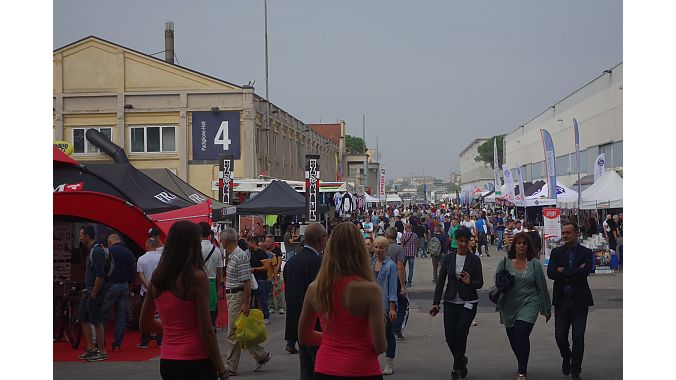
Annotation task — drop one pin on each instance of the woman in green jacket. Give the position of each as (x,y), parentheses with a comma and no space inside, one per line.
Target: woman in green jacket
(519,306)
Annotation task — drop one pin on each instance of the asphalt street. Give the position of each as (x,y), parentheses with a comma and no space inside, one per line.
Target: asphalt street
(423,354)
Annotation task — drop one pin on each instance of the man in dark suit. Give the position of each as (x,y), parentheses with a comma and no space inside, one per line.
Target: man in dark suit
(299,272)
(569,266)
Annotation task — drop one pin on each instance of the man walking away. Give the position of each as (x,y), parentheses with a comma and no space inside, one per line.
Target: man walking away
(89,312)
(213,264)
(299,272)
(569,266)
(118,286)
(145,266)
(481,228)
(409,242)
(238,294)
(500,230)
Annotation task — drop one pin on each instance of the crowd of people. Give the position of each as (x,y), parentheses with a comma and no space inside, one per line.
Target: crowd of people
(343,289)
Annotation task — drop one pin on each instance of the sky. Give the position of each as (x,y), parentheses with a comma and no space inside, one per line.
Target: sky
(429,76)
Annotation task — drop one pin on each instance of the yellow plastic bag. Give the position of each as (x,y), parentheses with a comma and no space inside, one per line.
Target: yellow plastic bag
(250,330)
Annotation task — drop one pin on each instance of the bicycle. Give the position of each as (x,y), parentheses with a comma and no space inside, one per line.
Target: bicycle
(65,314)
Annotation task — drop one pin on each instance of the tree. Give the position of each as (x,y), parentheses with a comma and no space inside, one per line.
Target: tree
(354,144)
(486,152)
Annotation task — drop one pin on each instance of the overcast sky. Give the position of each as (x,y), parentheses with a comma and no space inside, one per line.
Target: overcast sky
(431,76)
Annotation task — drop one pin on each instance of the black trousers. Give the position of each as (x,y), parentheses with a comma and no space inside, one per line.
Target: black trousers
(519,340)
(187,369)
(307,356)
(564,318)
(457,321)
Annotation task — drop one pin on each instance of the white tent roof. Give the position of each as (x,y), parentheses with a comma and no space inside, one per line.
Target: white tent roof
(606,192)
(565,196)
(370,199)
(393,198)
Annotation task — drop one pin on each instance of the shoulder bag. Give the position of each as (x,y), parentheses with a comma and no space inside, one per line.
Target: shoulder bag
(503,282)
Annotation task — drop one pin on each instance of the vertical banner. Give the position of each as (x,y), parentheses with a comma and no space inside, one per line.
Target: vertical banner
(382,185)
(599,166)
(225,178)
(551,230)
(496,169)
(63,243)
(519,177)
(509,182)
(577,162)
(550,163)
(312,187)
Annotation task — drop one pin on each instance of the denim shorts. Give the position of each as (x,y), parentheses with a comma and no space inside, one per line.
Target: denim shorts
(91,310)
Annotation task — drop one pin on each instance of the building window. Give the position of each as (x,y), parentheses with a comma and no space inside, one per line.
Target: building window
(617,154)
(538,171)
(152,139)
(82,145)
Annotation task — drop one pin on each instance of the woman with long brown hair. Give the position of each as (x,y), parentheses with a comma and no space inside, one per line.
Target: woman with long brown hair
(349,305)
(520,305)
(179,291)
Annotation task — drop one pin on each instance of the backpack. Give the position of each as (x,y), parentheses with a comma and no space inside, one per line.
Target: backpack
(109,263)
(434,246)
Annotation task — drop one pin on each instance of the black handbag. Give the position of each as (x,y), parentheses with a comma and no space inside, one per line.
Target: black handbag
(504,281)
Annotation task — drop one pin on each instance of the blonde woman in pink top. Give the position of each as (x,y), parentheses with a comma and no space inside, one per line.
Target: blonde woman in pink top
(179,291)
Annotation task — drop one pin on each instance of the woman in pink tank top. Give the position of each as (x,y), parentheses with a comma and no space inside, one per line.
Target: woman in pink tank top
(179,292)
(349,305)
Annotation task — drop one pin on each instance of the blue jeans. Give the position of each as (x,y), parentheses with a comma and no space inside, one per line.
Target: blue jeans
(117,294)
(262,295)
(501,239)
(411,263)
(389,335)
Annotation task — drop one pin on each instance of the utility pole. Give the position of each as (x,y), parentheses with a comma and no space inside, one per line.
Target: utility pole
(366,162)
(267,96)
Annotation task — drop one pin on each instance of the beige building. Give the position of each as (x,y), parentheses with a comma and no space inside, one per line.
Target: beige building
(473,174)
(168,116)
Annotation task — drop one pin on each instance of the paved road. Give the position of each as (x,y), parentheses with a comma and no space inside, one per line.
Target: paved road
(424,354)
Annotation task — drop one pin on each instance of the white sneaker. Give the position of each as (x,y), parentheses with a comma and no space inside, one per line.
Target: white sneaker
(261,364)
(267,321)
(389,366)
(281,311)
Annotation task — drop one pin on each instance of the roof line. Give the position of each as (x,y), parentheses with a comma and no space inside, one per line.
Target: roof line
(146,55)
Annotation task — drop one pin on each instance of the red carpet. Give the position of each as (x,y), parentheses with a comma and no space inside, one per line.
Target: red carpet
(63,352)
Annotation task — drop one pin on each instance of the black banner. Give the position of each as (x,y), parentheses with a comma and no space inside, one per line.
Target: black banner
(226,178)
(312,187)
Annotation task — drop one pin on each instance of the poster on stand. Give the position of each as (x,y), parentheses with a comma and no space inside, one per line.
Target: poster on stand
(552,230)
(602,262)
(63,243)
(312,176)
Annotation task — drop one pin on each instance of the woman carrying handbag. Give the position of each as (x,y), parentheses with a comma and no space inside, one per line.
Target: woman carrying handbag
(519,306)
(462,275)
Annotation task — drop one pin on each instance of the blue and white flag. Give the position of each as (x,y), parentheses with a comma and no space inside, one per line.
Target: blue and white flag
(496,168)
(599,166)
(519,177)
(550,163)
(509,183)
(577,161)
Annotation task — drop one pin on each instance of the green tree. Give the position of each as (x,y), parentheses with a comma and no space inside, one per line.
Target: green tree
(354,144)
(486,152)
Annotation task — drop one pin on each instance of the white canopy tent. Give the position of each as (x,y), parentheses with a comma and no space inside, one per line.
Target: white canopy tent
(564,196)
(606,192)
(393,198)
(370,199)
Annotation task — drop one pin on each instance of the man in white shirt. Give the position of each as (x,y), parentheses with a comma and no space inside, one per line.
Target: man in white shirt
(213,264)
(396,211)
(145,266)
(469,223)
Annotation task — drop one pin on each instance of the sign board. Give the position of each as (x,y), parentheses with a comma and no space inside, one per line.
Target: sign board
(602,260)
(215,134)
(63,243)
(312,187)
(215,185)
(552,230)
(225,178)
(64,146)
(382,183)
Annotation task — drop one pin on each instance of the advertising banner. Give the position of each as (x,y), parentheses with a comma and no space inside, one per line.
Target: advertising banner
(509,183)
(577,161)
(63,243)
(382,184)
(551,230)
(550,162)
(215,134)
(522,193)
(225,178)
(602,260)
(599,166)
(312,187)
(496,169)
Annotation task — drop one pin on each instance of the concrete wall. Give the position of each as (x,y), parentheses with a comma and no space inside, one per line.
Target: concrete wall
(472,171)
(597,107)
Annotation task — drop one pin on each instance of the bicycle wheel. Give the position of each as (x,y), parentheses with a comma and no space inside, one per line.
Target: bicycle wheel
(59,323)
(73,329)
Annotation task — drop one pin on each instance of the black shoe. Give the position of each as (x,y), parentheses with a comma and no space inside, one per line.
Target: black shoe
(565,366)
(455,375)
(291,349)
(463,371)
(575,376)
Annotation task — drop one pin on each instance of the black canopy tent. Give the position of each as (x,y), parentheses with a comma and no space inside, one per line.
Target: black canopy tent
(183,189)
(278,198)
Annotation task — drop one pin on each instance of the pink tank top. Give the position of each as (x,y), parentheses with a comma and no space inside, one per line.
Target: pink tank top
(180,333)
(347,345)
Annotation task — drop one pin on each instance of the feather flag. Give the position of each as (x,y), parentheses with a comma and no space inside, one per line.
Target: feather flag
(550,163)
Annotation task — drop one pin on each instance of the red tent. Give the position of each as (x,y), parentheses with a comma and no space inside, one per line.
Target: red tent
(59,156)
(197,213)
(105,209)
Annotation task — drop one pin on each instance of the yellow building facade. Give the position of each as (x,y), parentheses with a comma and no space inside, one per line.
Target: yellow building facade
(149,107)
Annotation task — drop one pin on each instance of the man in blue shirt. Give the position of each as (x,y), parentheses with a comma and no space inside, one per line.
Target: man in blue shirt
(499,227)
(91,303)
(118,286)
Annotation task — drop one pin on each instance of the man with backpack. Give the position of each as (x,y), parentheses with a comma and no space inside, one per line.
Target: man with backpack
(437,249)
(91,304)
(117,285)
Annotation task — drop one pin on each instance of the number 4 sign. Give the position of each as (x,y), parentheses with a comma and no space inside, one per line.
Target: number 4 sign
(214,134)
